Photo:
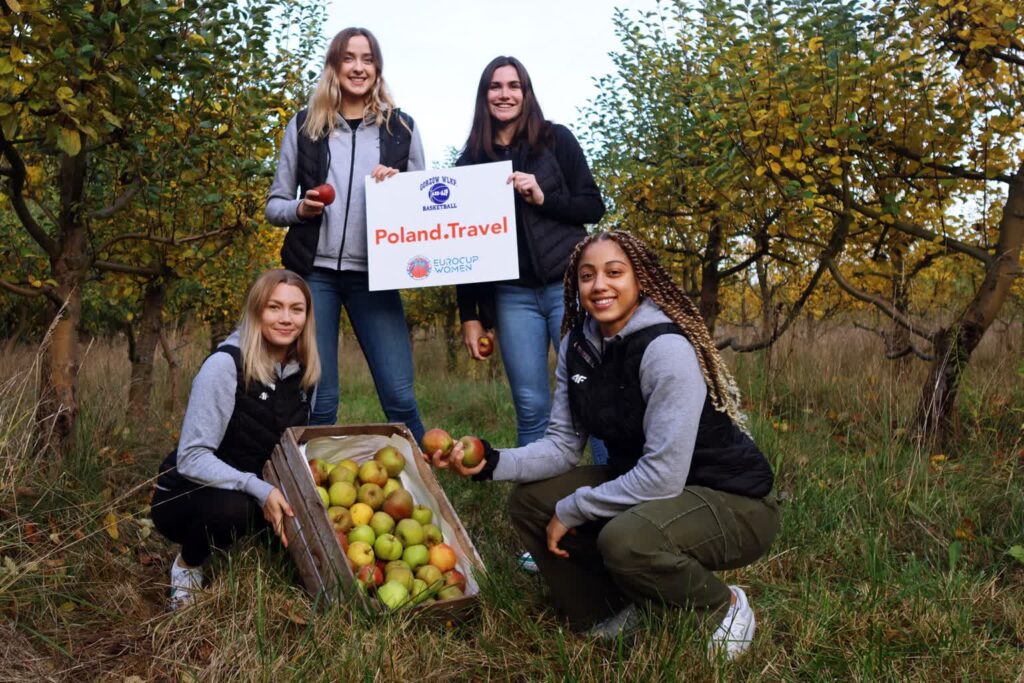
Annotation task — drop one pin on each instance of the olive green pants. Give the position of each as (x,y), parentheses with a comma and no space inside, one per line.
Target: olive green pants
(662,552)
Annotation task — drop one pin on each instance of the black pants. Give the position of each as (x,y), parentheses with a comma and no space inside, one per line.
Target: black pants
(202,517)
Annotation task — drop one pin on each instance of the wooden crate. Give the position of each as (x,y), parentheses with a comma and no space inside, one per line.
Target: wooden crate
(324,569)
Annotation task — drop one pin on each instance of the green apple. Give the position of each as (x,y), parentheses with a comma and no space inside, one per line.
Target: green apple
(416,555)
(395,563)
(360,554)
(400,574)
(372,495)
(387,547)
(391,460)
(430,575)
(432,534)
(342,494)
(391,486)
(350,464)
(422,514)
(419,591)
(372,472)
(363,533)
(450,593)
(341,474)
(409,532)
(393,594)
(324,497)
(382,523)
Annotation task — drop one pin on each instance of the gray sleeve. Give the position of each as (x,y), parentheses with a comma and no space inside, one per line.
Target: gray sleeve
(560,448)
(282,205)
(210,405)
(416,160)
(674,390)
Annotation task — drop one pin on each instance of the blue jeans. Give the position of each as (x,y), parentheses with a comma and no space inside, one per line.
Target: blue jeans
(529,321)
(379,323)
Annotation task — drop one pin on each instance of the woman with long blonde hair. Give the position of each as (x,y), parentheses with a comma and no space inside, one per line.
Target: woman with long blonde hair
(256,384)
(350,130)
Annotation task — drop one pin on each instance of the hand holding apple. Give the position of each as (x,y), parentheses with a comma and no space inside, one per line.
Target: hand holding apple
(485,346)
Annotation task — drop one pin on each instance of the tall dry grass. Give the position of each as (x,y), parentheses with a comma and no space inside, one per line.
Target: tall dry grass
(891,564)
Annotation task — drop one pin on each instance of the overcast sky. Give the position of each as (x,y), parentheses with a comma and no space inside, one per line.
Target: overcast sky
(435,51)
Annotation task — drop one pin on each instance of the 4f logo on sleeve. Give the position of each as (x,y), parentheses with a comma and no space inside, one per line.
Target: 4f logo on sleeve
(578,378)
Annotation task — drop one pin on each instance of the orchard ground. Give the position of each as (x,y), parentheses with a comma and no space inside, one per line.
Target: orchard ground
(893,562)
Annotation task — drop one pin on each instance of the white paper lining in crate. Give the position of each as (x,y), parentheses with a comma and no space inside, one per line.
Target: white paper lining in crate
(362,447)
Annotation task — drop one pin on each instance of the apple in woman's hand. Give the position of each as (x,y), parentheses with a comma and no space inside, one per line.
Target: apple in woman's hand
(324,194)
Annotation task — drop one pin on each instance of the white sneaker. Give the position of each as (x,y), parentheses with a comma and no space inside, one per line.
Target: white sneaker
(185,583)
(734,635)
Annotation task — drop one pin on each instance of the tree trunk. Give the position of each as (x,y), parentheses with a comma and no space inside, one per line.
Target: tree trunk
(58,393)
(954,345)
(710,278)
(897,341)
(172,373)
(140,388)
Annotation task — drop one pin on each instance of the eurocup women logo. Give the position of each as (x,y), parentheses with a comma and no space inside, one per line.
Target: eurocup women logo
(418,268)
(439,193)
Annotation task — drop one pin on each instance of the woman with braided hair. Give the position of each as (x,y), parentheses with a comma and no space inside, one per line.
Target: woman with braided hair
(686,492)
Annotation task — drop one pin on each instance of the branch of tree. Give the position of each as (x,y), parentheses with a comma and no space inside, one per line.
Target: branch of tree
(45,290)
(881,304)
(955,171)
(17,194)
(925,234)
(114,267)
(119,203)
(897,353)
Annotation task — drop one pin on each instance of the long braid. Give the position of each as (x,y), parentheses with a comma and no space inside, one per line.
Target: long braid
(655,282)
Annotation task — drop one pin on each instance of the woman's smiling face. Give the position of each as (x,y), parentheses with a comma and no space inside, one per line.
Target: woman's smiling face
(608,288)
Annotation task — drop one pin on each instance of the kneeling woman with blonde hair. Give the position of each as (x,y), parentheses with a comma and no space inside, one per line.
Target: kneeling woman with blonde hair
(256,384)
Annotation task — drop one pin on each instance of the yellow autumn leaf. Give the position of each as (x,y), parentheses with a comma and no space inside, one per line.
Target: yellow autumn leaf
(110,524)
(774,150)
(69,141)
(761,170)
(752,133)
(776,168)
(65,93)
(814,44)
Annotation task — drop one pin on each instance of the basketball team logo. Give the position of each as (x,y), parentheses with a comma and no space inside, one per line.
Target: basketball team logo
(418,267)
(439,193)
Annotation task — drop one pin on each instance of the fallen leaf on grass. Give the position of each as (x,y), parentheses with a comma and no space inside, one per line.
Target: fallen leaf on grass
(1016,552)
(67,607)
(110,524)
(293,615)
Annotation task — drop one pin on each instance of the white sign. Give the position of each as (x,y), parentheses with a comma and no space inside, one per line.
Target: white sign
(442,227)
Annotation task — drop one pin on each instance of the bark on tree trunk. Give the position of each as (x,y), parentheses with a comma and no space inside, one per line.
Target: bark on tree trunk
(172,372)
(140,388)
(954,345)
(58,406)
(710,278)
(898,339)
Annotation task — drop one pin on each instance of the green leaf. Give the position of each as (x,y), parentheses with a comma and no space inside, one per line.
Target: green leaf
(69,141)
(1016,552)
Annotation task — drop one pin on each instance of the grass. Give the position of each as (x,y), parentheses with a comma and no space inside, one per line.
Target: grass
(891,564)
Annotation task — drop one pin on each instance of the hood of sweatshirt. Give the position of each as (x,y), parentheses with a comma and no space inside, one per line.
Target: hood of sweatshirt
(647,314)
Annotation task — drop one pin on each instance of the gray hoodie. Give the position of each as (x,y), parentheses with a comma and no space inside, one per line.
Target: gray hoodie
(674,391)
(210,405)
(342,244)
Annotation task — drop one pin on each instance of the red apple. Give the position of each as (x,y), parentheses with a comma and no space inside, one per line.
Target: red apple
(472,451)
(399,504)
(324,193)
(314,469)
(453,577)
(342,540)
(370,576)
(485,346)
(437,440)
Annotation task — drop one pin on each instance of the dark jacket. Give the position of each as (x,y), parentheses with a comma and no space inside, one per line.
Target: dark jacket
(260,416)
(313,161)
(610,406)
(546,234)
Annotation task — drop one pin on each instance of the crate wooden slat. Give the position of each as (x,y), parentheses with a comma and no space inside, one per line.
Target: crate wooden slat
(322,565)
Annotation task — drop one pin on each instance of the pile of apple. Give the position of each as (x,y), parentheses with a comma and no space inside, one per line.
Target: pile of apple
(391,543)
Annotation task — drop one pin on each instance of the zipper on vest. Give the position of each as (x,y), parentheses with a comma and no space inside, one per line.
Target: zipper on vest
(348,197)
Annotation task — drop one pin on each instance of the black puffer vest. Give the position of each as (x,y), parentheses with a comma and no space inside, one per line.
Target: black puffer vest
(549,240)
(605,398)
(314,159)
(259,419)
